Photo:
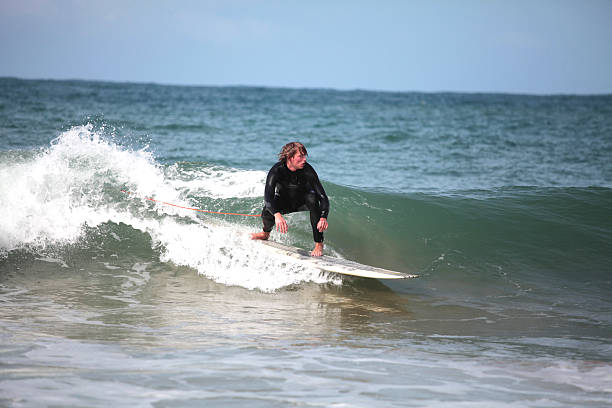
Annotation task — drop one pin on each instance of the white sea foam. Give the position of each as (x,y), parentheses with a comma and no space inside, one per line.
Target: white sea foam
(51,197)
(76,182)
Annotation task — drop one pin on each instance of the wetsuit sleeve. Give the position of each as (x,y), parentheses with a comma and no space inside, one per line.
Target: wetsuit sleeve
(270,190)
(320,192)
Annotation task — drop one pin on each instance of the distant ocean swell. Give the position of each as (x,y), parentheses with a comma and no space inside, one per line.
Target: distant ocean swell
(62,194)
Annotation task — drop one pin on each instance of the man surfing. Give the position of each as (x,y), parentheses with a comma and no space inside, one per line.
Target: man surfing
(293,185)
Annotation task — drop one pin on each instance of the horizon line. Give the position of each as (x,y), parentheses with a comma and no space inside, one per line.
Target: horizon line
(312,88)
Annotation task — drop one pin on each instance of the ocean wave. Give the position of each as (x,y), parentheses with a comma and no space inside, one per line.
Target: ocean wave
(505,239)
(57,195)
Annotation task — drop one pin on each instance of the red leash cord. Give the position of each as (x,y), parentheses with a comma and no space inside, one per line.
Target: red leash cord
(195,209)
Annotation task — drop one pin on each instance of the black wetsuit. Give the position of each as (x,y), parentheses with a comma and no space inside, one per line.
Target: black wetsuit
(290,191)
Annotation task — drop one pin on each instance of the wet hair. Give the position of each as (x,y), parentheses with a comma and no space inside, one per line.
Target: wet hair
(290,149)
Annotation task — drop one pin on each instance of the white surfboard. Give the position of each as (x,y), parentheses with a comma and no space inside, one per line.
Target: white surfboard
(337,265)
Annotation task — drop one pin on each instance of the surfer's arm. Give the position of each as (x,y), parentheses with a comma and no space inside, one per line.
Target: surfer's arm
(270,199)
(270,190)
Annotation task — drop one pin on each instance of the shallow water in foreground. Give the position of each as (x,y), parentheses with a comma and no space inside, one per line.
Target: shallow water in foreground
(149,334)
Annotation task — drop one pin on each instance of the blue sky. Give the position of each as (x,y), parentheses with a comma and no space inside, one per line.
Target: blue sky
(539,47)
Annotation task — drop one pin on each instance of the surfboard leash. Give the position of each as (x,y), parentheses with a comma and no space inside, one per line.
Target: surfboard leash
(194,209)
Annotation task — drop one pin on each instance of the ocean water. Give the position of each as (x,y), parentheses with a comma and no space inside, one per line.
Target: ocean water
(501,203)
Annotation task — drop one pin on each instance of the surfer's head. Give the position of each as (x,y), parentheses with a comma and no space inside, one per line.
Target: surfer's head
(290,149)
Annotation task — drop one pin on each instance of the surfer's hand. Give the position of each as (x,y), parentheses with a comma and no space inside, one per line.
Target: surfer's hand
(322,225)
(281,224)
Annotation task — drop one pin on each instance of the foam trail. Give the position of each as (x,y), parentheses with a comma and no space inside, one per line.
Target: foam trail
(76,183)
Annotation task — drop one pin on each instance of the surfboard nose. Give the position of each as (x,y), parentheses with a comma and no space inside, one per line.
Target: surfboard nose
(333,264)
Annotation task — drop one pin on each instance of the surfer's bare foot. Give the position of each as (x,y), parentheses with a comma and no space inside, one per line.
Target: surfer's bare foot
(318,249)
(263,235)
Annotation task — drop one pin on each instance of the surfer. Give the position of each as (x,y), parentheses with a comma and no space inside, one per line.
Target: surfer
(293,185)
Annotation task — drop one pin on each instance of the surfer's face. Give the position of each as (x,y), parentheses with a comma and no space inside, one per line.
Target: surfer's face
(296,162)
